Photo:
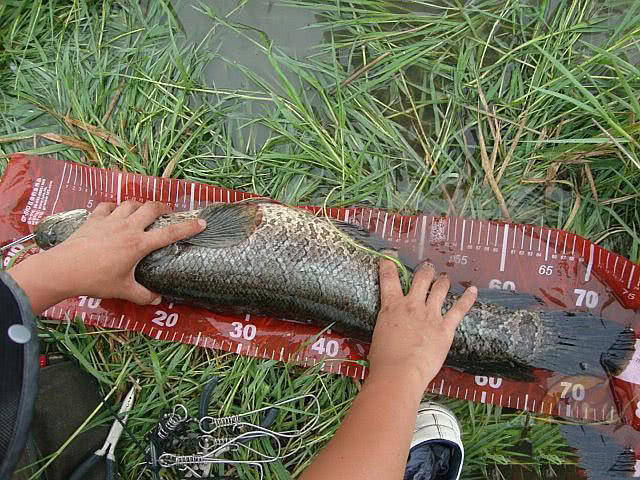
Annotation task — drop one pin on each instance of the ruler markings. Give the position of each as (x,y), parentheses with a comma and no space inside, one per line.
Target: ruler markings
(464,225)
(146,193)
(495,243)
(70,170)
(384,225)
(455,231)
(488,232)
(503,255)
(55,202)
(119,191)
(479,232)
(587,274)
(573,248)
(471,233)
(540,239)
(624,267)
(524,229)
(193,197)
(546,252)
(633,269)
(555,245)
(100,175)
(483,397)
(126,186)
(515,234)
(423,232)
(526,401)
(441,386)
(615,264)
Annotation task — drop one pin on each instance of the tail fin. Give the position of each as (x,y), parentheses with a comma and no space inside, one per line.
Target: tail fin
(586,345)
(601,456)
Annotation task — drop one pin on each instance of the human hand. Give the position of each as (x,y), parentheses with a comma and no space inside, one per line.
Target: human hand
(411,334)
(99,258)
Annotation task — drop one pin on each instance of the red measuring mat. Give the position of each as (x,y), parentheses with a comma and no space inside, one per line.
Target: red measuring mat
(564,270)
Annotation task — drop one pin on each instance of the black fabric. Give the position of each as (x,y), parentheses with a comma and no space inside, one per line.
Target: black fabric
(19,374)
(433,460)
(63,386)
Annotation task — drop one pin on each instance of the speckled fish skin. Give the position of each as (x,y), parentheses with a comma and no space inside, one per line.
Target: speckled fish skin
(295,265)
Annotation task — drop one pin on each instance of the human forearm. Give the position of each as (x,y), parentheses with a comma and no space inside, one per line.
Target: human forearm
(99,258)
(42,285)
(373,440)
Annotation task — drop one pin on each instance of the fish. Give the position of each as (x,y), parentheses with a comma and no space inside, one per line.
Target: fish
(263,257)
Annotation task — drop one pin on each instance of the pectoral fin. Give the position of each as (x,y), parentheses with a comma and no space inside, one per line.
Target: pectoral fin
(227,225)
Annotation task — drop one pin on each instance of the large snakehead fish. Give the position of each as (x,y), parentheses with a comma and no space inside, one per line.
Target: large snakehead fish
(263,257)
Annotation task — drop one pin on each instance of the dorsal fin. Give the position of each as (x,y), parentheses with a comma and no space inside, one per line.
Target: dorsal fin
(361,235)
(227,225)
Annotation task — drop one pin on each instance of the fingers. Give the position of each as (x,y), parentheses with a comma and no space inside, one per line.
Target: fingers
(162,237)
(142,296)
(147,213)
(126,208)
(455,315)
(438,293)
(103,209)
(390,286)
(421,282)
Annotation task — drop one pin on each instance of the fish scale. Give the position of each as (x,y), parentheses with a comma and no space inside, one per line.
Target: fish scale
(583,276)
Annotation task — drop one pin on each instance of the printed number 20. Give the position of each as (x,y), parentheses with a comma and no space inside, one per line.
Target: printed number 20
(165,320)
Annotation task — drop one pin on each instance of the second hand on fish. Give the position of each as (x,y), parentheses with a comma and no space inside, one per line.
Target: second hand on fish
(261,257)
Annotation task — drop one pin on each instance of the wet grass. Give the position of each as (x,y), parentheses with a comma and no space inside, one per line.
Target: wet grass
(496,110)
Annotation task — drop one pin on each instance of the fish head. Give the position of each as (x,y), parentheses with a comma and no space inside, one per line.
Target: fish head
(56,228)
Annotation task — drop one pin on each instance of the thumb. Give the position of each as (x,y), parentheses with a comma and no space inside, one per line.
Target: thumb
(138,294)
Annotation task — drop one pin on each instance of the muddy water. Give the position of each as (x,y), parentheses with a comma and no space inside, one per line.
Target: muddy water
(284,26)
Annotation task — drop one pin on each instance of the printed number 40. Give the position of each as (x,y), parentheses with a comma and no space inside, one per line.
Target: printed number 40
(328,347)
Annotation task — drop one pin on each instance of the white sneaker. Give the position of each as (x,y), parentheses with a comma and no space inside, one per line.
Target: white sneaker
(436,429)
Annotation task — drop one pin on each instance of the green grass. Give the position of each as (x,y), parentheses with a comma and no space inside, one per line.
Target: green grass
(538,101)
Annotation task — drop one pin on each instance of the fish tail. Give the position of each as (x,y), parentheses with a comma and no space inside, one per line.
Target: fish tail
(600,456)
(585,344)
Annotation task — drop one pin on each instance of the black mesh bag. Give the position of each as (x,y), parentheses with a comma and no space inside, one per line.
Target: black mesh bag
(18,372)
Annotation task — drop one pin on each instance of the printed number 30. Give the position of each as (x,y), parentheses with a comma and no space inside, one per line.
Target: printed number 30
(248,331)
